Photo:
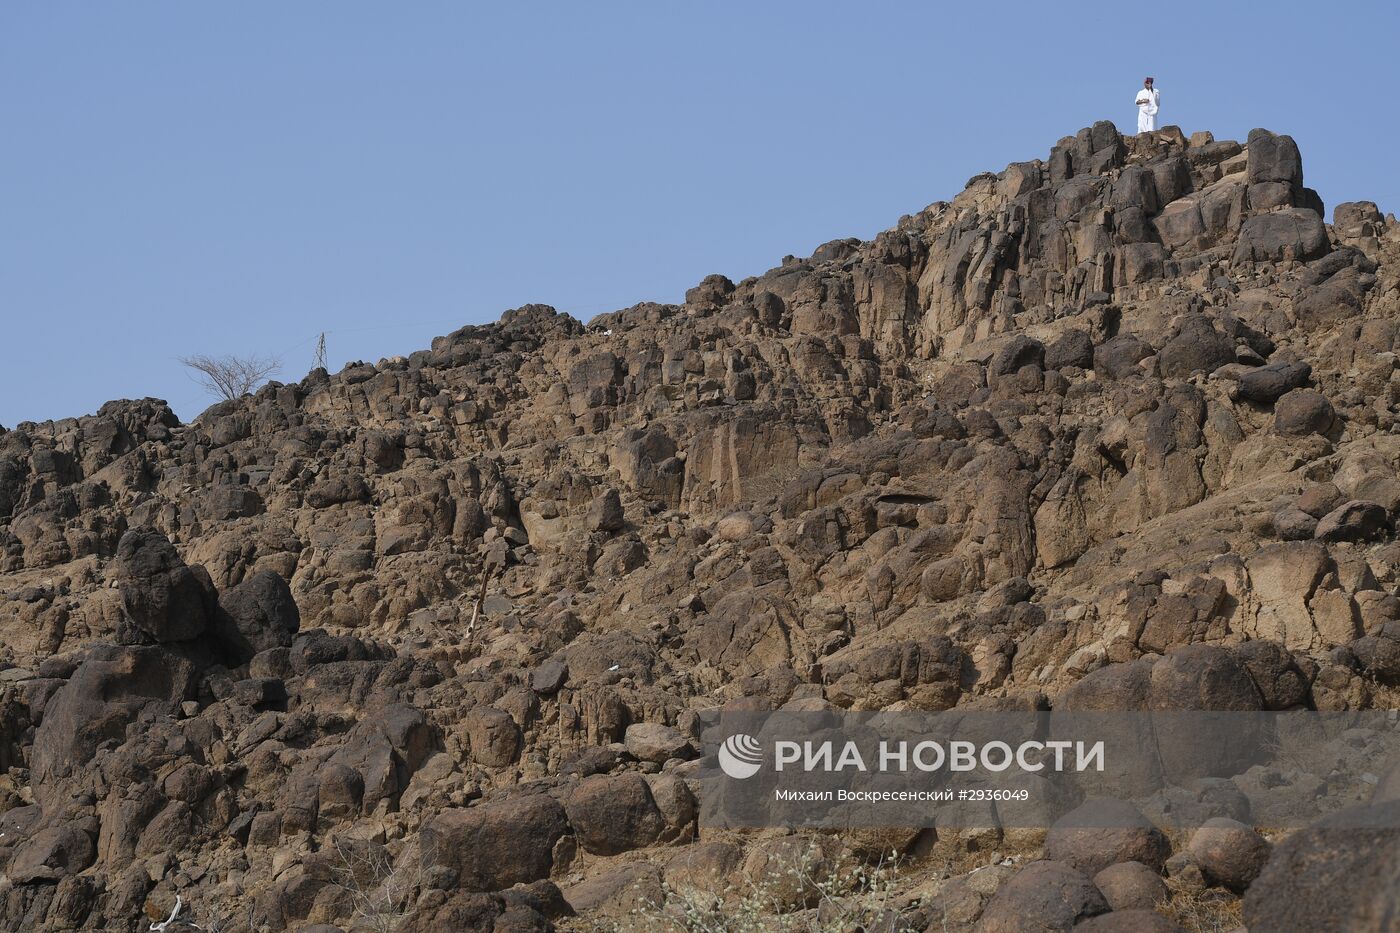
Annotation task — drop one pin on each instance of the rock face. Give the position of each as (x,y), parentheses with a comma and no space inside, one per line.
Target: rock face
(1111,429)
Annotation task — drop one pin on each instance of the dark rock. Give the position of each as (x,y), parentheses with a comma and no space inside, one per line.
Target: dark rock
(494,737)
(1018,352)
(1104,832)
(1294,233)
(1202,677)
(611,814)
(1303,411)
(1354,521)
(1195,347)
(109,691)
(1267,383)
(1274,159)
(1230,853)
(256,615)
(1131,886)
(1379,656)
(1074,348)
(1118,358)
(1338,874)
(52,854)
(495,845)
(165,600)
(605,512)
(1043,896)
(549,677)
(1279,682)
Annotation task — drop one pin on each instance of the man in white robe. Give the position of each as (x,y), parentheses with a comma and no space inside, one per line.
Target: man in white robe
(1147,101)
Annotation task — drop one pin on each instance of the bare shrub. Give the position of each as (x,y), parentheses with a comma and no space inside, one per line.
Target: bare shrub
(230,377)
(380,889)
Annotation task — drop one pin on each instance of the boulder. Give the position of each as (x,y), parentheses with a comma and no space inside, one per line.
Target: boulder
(1195,347)
(1320,498)
(611,814)
(1131,886)
(1293,524)
(652,741)
(1073,348)
(110,689)
(1229,852)
(1275,675)
(1354,521)
(51,855)
(548,677)
(1118,358)
(1379,655)
(1303,411)
(163,599)
(605,513)
(256,615)
(1018,352)
(494,737)
(1202,677)
(1043,896)
(1340,873)
(1294,233)
(495,845)
(1267,383)
(1274,158)
(1103,832)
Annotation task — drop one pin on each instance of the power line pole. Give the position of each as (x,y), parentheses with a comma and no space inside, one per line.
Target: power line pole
(320,361)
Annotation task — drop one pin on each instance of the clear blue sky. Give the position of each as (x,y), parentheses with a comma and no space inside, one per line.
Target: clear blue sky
(184,177)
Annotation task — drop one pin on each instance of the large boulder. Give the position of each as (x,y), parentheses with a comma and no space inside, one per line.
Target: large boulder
(614,813)
(1019,351)
(1302,412)
(494,737)
(1229,852)
(1043,896)
(1354,521)
(1131,886)
(1103,832)
(1202,677)
(1274,158)
(1276,676)
(1267,383)
(1118,358)
(1195,347)
(1295,233)
(256,615)
(1341,873)
(495,845)
(1074,348)
(52,854)
(109,690)
(163,599)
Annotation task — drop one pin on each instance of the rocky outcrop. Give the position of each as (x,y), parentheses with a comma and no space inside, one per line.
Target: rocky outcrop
(426,641)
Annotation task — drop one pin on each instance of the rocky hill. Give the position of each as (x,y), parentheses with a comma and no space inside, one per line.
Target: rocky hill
(420,645)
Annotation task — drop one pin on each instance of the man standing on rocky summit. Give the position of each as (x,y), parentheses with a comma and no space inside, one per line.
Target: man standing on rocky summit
(1147,100)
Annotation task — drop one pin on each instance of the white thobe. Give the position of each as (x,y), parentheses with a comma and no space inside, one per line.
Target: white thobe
(1147,101)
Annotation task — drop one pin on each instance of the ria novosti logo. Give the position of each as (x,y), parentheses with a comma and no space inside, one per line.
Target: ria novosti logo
(740,756)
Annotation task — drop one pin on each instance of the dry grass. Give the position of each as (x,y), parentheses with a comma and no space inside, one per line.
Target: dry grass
(1214,910)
